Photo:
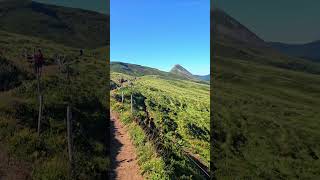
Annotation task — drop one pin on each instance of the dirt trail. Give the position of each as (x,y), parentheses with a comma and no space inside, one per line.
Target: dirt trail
(124,158)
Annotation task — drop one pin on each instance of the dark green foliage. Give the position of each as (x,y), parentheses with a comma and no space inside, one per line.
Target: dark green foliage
(72,27)
(10,75)
(47,154)
(265,118)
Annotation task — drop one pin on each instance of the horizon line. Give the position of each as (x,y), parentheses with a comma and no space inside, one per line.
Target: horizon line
(159,68)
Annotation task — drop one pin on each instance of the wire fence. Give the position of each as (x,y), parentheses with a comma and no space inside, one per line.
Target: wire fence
(153,135)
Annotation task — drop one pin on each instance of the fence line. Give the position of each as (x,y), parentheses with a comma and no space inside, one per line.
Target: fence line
(153,135)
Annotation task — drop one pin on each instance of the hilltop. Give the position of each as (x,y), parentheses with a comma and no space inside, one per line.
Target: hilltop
(178,69)
(83,28)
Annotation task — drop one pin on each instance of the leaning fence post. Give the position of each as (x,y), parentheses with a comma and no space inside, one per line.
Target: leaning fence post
(69,123)
(131,104)
(69,133)
(122,97)
(40,113)
(39,94)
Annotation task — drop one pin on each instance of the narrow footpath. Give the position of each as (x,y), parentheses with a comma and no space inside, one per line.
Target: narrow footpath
(124,158)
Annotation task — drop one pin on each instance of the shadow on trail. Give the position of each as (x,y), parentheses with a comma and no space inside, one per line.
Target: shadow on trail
(115,149)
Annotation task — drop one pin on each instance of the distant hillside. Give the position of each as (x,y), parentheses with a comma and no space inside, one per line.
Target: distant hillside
(234,40)
(84,29)
(135,70)
(138,70)
(309,50)
(204,78)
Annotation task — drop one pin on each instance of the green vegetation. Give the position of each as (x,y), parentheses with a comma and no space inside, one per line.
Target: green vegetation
(171,116)
(47,154)
(265,114)
(69,26)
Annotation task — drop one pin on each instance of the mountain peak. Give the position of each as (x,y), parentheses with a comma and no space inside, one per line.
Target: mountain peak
(227,28)
(178,66)
(178,69)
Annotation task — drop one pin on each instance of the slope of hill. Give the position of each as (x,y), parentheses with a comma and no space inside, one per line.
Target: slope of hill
(84,29)
(46,156)
(265,111)
(228,29)
(309,50)
(233,40)
(135,70)
(175,116)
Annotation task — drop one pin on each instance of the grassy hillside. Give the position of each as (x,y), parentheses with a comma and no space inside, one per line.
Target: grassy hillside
(46,156)
(175,111)
(265,114)
(72,27)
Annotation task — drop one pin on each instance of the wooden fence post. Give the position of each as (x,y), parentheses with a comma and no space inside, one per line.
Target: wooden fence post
(39,95)
(131,105)
(69,123)
(69,129)
(40,114)
(122,97)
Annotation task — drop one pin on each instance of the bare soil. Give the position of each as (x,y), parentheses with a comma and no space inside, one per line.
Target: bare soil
(124,158)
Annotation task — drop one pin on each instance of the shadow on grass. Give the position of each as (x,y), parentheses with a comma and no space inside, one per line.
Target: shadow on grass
(114,149)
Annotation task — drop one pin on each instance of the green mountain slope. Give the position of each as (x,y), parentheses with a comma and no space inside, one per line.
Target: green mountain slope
(176,112)
(233,40)
(72,27)
(265,112)
(135,70)
(46,156)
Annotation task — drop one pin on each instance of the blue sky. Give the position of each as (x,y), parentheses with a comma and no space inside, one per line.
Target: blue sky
(161,33)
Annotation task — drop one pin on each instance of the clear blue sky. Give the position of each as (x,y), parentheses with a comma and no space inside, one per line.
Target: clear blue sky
(290,21)
(161,33)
